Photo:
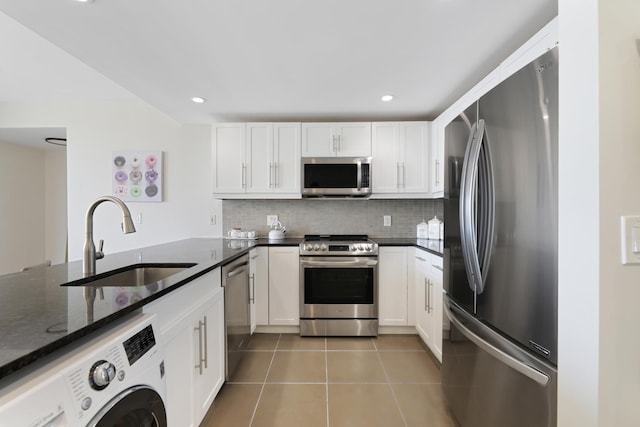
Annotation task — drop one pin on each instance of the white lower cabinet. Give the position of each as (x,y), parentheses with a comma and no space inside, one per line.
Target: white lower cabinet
(259,281)
(393,289)
(284,285)
(191,321)
(428,286)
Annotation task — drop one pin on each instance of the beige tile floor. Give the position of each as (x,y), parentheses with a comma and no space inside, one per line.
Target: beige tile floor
(285,380)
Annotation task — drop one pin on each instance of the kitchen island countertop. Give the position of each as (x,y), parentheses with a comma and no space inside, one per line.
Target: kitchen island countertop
(38,316)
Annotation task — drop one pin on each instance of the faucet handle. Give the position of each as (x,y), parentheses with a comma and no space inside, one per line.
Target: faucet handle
(99,253)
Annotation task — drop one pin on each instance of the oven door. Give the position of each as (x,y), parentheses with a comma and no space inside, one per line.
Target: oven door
(341,287)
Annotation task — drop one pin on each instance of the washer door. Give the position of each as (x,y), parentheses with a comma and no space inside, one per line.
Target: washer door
(138,406)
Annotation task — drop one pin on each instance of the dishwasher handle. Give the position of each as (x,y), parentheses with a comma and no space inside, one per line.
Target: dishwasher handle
(238,269)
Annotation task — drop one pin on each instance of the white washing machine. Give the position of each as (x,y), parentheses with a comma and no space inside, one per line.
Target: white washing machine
(115,379)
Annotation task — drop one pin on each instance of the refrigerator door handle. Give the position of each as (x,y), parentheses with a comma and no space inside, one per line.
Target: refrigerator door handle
(467,208)
(530,372)
(477,213)
(485,204)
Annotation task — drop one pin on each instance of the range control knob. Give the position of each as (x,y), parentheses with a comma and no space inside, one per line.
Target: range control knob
(316,247)
(324,247)
(101,374)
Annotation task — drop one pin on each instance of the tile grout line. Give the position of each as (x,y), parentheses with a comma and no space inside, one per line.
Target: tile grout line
(326,376)
(393,392)
(264,383)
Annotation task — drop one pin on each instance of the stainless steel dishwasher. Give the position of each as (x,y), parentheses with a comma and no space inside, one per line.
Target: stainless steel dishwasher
(235,280)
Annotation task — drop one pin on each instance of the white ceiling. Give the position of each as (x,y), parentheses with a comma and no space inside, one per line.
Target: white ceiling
(34,137)
(263,59)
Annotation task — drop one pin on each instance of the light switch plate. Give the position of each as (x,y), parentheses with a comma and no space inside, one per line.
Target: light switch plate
(630,236)
(386,220)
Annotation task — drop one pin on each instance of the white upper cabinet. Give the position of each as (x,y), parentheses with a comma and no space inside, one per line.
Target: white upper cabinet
(336,139)
(228,158)
(256,160)
(400,158)
(436,166)
(273,158)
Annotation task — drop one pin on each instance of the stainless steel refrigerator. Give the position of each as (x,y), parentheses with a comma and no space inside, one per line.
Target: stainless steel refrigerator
(499,362)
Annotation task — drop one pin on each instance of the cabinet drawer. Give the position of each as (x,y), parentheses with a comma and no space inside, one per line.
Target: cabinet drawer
(436,263)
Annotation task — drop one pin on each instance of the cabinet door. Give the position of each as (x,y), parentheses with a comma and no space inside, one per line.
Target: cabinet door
(437,158)
(284,287)
(392,286)
(318,140)
(228,158)
(414,156)
(259,275)
(178,357)
(180,313)
(286,158)
(436,298)
(209,352)
(422,268)
(354,139)
(259,158)
(386,168)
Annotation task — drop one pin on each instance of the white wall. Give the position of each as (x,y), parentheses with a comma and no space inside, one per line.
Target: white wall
(599,348)
(619,149)
(55,188)
(94,130)
(22,207)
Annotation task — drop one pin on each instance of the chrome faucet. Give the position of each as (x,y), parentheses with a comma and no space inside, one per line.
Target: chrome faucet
(90,254)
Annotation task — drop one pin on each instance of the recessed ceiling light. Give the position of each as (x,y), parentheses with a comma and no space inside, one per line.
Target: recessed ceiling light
(85,1)
(198,99)
(387,98)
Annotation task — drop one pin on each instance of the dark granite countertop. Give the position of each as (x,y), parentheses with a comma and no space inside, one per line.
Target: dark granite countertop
(38,316)
(433,246)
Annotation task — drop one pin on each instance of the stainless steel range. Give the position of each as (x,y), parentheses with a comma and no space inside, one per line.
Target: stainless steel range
(338,286)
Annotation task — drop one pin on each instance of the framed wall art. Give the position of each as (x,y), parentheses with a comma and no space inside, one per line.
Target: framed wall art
(136,176)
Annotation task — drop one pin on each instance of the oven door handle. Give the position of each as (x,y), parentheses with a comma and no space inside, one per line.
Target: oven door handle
(367,263)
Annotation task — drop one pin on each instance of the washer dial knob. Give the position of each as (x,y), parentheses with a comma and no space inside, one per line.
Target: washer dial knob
(101,374)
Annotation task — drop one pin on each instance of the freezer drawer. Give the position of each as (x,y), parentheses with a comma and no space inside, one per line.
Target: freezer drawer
(488,381)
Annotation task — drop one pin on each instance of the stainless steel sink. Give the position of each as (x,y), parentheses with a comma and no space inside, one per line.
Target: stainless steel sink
(133,275)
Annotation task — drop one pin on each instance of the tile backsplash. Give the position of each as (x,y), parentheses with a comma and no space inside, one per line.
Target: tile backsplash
(350,216)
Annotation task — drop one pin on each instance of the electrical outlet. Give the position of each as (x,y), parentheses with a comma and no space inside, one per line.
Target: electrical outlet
(139,218)
(271,219)
(212,219)
(387,220)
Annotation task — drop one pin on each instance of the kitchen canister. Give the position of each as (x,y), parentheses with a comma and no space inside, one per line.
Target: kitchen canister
(422,230)
(433,232)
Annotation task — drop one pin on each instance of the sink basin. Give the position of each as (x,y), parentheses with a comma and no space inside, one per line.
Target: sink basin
(133,275)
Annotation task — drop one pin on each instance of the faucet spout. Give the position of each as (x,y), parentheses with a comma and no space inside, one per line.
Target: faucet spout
(89,259)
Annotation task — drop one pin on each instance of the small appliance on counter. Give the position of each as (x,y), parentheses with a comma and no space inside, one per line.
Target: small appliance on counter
(277,231)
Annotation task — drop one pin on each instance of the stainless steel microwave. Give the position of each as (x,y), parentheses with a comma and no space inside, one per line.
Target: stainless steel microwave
(336,176)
